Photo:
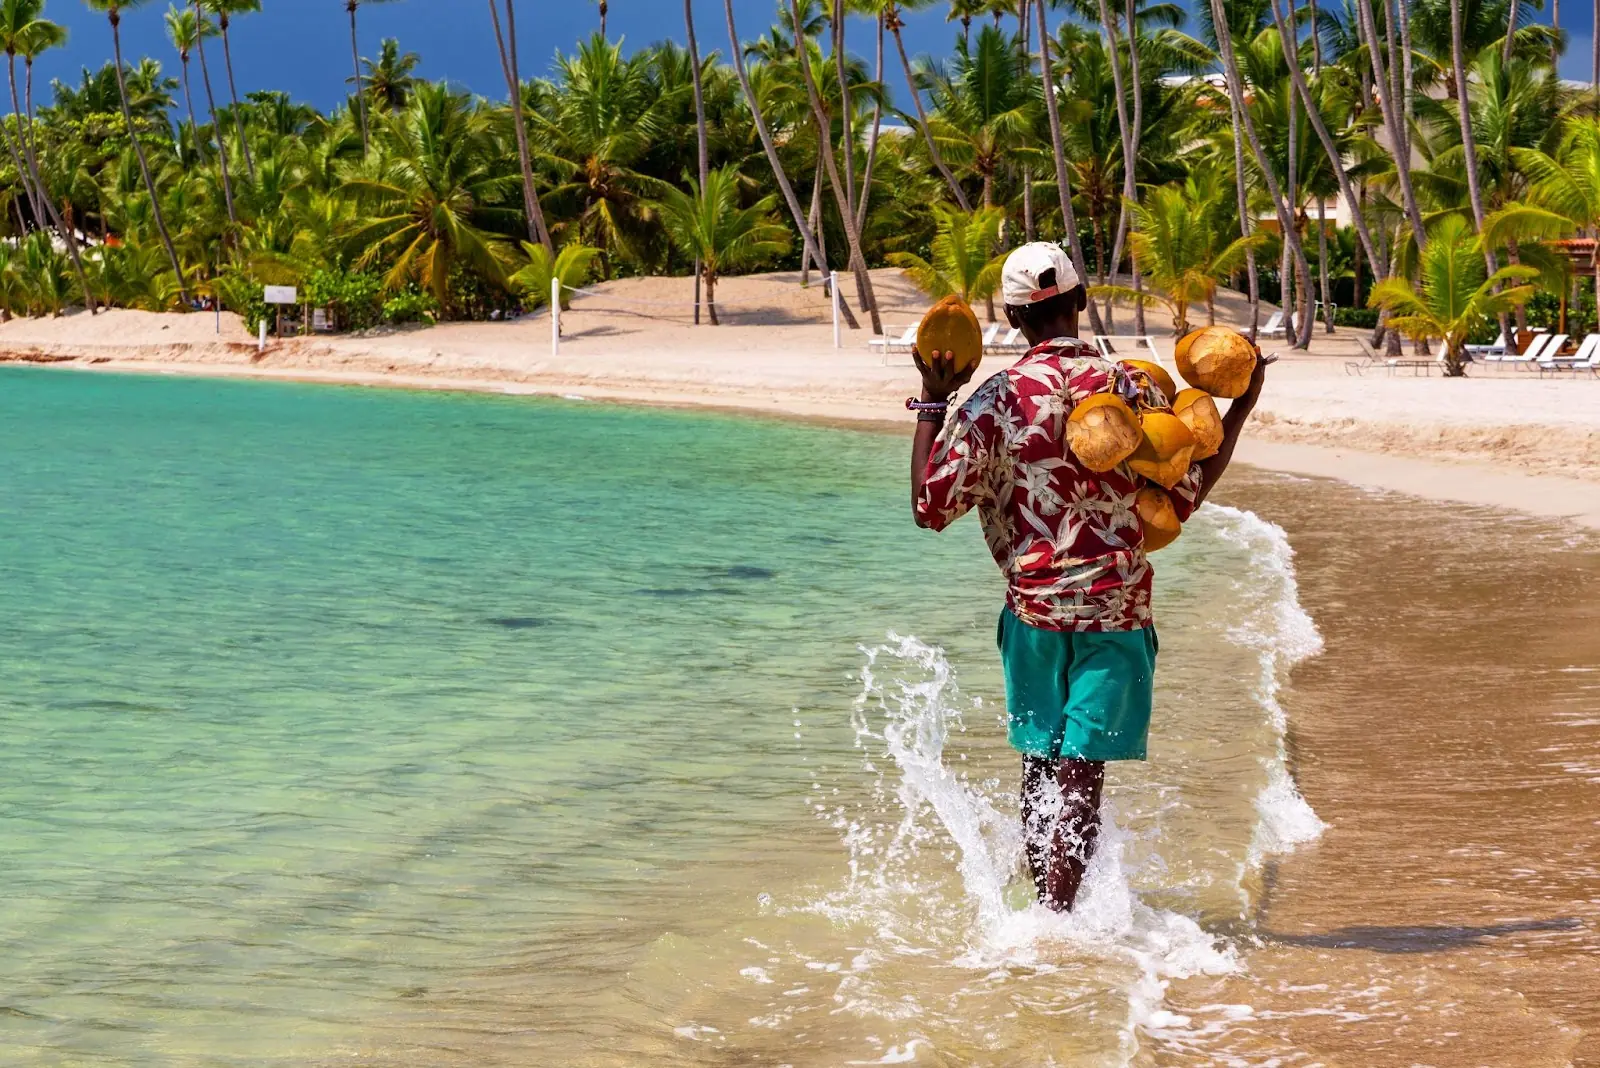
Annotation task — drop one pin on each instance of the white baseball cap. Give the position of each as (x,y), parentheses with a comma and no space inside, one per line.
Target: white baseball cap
(1019,279)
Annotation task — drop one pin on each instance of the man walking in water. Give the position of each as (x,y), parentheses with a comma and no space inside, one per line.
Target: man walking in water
(1077,639)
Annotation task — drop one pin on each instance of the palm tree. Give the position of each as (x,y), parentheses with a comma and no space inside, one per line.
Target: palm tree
(16,16)
(1455,295)
(439,168)
(963,259)
(184,29)
(224,10)
(506,43)
(535,281)
(852,233)
(770,148)
(603,9)
(216,122)
(390,79)
(702,150)
(707,224)
(113,11)
(1178,235)
(1063,182)
(964,11)
(892,18)
(1566,185)
(355,57)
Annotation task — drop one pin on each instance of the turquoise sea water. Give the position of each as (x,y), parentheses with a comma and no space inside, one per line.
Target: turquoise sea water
(373,727)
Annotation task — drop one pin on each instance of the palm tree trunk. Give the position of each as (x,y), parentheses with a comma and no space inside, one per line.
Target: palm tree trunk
(1245,226)
(711,294)
(784,185)
(188,100)
(1469,144)
(603,20)
(1511,31)
(815,215)
(1392,122)
(144,164)
(355,56)
(703,153)
(16,152)
(922,116)
(847,124)
(537,230)
(1236,90)
(216,122)
(25,134)
(1335,161)
(1125,128)
(1130,17)
(1058,147)
(872,149)
(1029,230)
(233,92)
(852,233)
(1322,262)
(1316,41)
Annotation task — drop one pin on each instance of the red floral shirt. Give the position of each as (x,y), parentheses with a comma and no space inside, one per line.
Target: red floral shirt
(1067,539)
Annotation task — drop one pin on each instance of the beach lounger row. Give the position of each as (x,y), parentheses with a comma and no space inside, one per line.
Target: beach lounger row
(993,343)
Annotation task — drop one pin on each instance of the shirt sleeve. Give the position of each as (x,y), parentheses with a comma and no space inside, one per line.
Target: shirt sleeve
(1187,492)
(955,478)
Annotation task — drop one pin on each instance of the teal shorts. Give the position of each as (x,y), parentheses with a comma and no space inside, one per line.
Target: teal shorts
(1083,695)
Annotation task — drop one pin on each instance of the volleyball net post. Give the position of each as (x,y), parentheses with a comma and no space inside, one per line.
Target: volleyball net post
(555,316)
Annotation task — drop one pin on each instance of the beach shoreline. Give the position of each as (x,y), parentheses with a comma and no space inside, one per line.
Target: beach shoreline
(1521,442)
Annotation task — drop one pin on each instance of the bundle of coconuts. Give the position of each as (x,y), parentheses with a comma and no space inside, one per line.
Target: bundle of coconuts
(1157,443)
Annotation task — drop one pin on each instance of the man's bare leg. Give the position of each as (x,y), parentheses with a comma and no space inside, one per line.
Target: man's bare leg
(1060,824)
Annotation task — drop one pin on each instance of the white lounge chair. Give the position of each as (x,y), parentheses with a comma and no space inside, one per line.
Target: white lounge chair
(990,334)
(887,344)
(1582,360)
(1536,348)
(1489,353)
(1013,342)
(1274,327)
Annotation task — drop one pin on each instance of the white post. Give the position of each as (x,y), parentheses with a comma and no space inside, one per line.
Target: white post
(261,337)
(838,339)
(555,317)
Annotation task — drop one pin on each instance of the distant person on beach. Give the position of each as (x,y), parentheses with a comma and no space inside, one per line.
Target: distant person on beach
(1077,638)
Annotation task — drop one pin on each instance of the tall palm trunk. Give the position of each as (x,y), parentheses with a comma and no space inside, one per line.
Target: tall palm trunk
(1511,31)
(1392,121)
(1130,18)
(1316,41)
(144,164)
(872,149)
(16,149)
(1314,114)
(1245,226)
(846,119)
(1029,230)
(537,230)
(603,11)
(216,123)
(1236,90)
(1322,262)
(1063,180)
(355,56)
(922,115)
(703,155)
(233,93)
(1306,312)
(852,233)
(767,145)
(1125,129)
(188,102)
(30,152)
(1469,142)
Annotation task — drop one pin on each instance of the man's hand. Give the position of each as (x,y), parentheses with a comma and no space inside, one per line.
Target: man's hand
(1233,422)
(939,375)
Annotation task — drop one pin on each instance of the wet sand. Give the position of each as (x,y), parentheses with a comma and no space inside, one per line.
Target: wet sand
(1450,737)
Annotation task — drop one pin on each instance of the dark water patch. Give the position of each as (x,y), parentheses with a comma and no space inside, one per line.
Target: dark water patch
(1421,939)
(110,705)
(518,622)
(744,571)
(689,591)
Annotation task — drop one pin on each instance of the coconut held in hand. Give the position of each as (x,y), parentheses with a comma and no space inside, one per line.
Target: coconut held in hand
(1166,449)
(951,327)
(1217,360)
(1158,517)
(1102,432)
(1156,374)
(1199,413)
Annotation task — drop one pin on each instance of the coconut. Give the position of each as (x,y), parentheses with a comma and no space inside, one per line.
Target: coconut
(1158,517)
(1102,432)
(1158,377)
(1165,450)
(950,326)
(1217,360)
(1199,413)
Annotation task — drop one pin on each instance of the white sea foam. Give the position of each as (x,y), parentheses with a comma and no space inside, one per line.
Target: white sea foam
(925,809)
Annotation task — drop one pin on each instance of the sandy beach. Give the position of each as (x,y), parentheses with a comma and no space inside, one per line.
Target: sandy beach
(1500,437)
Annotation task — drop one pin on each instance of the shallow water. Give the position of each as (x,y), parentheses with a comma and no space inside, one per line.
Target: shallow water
(435,730)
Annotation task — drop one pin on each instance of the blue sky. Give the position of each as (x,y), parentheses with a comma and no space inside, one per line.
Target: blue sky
(303,46)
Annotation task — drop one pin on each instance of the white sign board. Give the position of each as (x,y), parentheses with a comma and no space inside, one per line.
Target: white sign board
(281,295)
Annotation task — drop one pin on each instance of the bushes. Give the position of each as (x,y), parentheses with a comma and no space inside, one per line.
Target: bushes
(1362,318)
(410,306)
(353,298)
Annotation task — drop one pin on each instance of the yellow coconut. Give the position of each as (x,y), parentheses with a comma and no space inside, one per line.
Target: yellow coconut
(1217,360)
(1199,413)
(950,326)
(1102,432)
(1158,376)
(1166,449)
(1158,517)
